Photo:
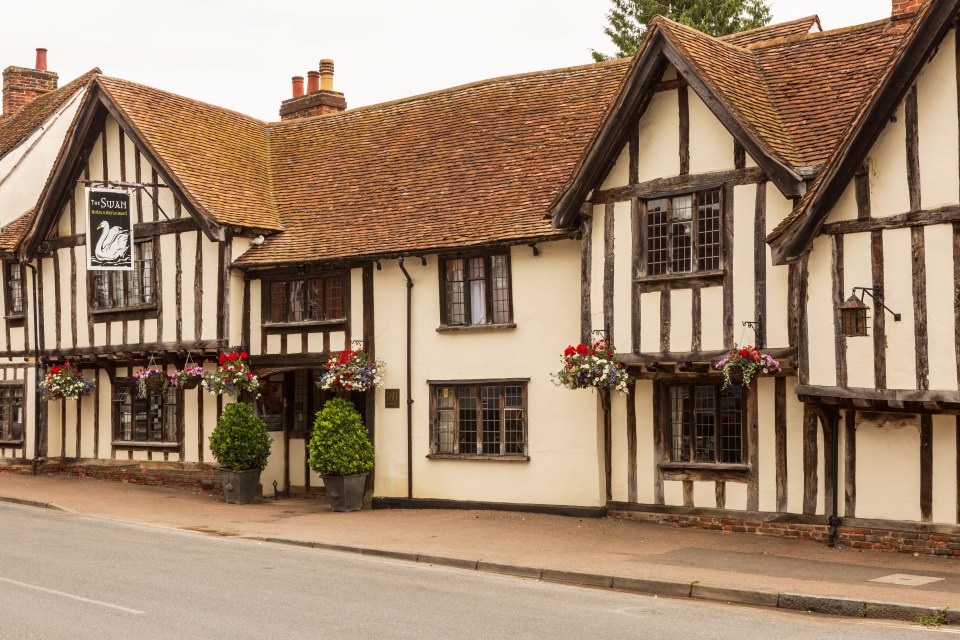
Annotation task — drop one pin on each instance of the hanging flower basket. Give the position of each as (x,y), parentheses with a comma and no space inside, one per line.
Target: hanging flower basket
(352,371)
(187,378)
(742,364)
(233,376)
(64,381)
(151,379)
(591,366)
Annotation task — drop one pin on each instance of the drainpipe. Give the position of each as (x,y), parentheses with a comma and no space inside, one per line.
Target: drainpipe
(409,382)
(36,366)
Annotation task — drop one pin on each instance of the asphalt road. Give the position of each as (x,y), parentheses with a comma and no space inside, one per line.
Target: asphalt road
(68,576)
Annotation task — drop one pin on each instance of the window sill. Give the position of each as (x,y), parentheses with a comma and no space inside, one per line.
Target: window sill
(129,444)
(706,471)
(705,466)
(475,457)
(123,313)
(680,280)
(475,327)
(308,324)
(14,317)
(11,444)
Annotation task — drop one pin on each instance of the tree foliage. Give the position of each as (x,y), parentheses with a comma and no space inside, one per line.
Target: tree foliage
(628,19)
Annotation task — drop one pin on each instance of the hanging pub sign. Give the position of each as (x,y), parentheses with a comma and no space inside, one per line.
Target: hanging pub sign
(109,230)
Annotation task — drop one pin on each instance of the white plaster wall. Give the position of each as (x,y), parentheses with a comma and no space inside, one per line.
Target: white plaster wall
(67,316)
(822,352)
(888,470)
(846,207)
(744,289)
(619,175)
(112,131)
(622,277)
(681,320)
(188,245)
(104,395)
(650,322)
(673,493)
(618,442)
(944,469)
(294,343)
(711,145)
(937,118)
(211,259)
(736,496)
(562,424)
(705,494)
(274,469)
(24,169)
(898,295)
(767,443)
(48,302)
(356,304)
(191,421)
(235,321)
(775,320)
(167,272)
(646,455)
(941,345)
(256,314)
(857,272)
(711,319)
(659,135)
(794,450)
(887,163)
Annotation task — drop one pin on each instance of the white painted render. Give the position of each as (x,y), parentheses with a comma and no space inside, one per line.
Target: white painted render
(937,111)
(887,166)
(659,135)
(711,145)
(888,468)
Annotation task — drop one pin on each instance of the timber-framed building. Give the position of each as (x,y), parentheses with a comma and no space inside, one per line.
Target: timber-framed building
(706,192)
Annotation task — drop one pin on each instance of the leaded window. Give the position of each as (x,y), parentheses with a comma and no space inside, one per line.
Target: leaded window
(683,233)
(488,419)
(476,290)
(151,419)
(11,413)
(127,289)
(14,288)
(314,299)
(706,423)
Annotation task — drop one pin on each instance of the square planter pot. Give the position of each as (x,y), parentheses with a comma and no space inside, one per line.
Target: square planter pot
(241,487)
(345,493)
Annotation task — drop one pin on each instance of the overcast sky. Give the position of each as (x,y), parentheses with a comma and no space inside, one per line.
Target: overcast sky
(241,54)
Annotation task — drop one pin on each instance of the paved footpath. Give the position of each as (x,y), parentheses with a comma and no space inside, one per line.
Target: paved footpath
(605,553)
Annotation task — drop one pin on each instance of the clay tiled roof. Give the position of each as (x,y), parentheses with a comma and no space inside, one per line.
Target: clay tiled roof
(761,35)
(11,234)
(795,94)
(471,165)
(220,158)
(14,129)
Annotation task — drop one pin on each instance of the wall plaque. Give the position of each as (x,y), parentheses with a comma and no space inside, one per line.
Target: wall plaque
(391,398)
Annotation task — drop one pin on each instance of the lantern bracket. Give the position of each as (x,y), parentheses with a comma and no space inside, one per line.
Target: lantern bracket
(876,294)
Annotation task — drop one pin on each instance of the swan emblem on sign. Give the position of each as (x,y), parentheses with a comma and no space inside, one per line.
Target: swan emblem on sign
(113,244)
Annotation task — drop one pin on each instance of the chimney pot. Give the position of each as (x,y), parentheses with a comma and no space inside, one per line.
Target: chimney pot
(313,81)
(297,86)
(326,75)
(41,59)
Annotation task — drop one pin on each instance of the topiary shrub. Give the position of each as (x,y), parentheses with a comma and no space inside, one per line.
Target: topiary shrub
(339,445)
(240,440)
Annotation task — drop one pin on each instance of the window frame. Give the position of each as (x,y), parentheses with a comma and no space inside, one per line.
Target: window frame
(468,325)
(642,267)
(6,408)
(8,296)
(476,385)
(666,426)
(130,384)
(137,309)
(267,294)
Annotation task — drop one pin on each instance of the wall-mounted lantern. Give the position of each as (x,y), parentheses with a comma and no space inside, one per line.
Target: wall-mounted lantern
(853,312)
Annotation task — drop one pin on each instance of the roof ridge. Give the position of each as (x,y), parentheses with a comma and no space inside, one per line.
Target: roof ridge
(454,89)
(813,18)
(767,44)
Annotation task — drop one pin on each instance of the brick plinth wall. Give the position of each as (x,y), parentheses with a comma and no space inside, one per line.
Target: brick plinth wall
(940,543)
(188,475)
(22,85)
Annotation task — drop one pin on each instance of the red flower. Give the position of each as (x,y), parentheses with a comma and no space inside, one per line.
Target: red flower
(232,357)
(223,359)
(582,349)
(243,355)
(55,370)
(569,351)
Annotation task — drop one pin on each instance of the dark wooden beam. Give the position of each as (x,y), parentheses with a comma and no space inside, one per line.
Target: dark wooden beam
(839,340)
(708,357)
(913,147)
(919,269)
(850,464)
(608,271)
(780,435)
(810,460)
(632,441)
(926,467)
(663,187)
(684,106)
(879,313)
(920,218)
(760,265)
(586,269)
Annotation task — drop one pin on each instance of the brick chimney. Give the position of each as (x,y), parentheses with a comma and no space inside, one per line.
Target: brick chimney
(21,85)
(320,99)
(905,8)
